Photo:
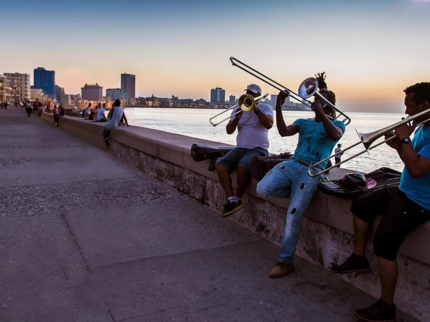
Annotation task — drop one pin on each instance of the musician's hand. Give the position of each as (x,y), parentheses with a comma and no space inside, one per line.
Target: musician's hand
(317,107)
(393,143)
(405,130)
(239,115)
(280,100)
(320,77)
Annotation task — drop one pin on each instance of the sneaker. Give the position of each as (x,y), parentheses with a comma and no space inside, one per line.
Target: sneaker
(354,264)
(105,140)
(281,270)
(380,311)
(231,207)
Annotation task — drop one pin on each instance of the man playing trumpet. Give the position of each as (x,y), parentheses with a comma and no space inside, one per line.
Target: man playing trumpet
(290,179)
(252,140)
(402,209)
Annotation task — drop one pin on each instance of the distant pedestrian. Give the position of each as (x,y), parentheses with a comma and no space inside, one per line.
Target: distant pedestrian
(338,157)
(56,115)
(5,105)
(114,119)
(28,108)
(35,106)
(86,112)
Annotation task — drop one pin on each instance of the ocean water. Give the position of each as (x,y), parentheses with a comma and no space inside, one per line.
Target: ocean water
(195,123)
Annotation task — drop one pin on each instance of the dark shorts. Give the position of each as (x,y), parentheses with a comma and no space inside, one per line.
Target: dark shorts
(241,157)
(400,216)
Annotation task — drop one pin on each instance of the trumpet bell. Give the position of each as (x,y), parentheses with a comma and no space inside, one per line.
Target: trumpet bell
(308,87)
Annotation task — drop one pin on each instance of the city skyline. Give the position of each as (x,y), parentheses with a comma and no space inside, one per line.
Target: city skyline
(370,50)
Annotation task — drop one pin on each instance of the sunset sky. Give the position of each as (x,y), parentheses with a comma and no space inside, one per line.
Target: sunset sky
(370,49)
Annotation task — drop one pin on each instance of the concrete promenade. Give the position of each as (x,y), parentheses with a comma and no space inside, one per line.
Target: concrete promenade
(83,237)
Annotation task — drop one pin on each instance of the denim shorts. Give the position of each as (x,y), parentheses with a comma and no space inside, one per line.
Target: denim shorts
(241,157)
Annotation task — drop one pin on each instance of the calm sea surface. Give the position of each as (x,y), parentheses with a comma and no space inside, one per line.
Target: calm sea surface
(195,123)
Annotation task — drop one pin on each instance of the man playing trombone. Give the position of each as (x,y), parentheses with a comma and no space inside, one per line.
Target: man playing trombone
(252,140)
(290,179)
(402,209)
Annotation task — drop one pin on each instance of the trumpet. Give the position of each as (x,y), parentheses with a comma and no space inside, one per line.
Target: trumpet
(246,103)
(308,88)
(367,140)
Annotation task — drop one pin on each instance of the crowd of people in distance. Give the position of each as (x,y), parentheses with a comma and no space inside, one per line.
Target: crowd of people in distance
(402,208)
(115,117)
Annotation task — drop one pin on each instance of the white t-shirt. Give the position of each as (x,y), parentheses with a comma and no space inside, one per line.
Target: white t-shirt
(336,151)
(116,117)
(100,114)
(251,133)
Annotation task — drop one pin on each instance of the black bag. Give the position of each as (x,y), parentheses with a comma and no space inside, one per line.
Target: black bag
(260,165)
(384,177)
(200,152)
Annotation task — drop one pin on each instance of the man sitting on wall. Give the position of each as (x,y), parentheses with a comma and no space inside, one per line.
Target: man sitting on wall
(290,179)
(114,119)
(402,209)
(252,140)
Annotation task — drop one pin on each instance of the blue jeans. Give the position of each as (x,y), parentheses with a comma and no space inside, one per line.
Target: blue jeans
(241,157)
(290,179)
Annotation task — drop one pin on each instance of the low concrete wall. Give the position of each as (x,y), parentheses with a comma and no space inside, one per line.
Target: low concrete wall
(326,235)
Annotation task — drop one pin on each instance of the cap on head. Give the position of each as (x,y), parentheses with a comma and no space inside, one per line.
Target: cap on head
(254,88)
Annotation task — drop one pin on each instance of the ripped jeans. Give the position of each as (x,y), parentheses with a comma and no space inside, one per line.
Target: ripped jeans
(290,179)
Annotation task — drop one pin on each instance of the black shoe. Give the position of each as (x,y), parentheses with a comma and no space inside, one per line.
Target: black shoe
(231,207)
(380,311)
(354,264)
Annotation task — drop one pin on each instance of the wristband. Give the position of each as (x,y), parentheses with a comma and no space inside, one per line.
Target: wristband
(405,140)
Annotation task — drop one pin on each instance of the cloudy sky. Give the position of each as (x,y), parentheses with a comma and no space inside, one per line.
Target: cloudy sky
(370,49)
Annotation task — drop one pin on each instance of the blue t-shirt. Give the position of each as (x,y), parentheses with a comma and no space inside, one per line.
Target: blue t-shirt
(418,190)
(314,144)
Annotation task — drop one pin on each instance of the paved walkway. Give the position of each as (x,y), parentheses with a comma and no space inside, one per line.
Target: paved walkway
(85,238)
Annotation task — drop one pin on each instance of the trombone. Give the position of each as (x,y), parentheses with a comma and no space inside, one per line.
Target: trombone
(367,139)
(307,89)
(246,103)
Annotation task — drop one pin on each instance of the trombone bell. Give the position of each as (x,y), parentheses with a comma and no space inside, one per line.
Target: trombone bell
(246,103)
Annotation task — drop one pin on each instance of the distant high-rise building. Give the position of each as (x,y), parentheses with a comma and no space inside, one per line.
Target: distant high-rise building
(217,95)
(92,92)
(128,83)
(273,99)
(59,91)
(21,85)
(45,80)
(232,99)
(117,93)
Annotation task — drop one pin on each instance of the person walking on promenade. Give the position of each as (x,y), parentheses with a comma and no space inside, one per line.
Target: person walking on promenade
(28,108)
(101,116)
(35,106)
(290,179)
(252,140)
(337,158)
(56,115)
(114,119)
(402,208)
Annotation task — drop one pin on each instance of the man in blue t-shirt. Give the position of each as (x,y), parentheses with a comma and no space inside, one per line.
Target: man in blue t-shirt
(402,209)
(290,179)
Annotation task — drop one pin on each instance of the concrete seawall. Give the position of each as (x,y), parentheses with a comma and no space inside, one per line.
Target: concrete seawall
(326,235)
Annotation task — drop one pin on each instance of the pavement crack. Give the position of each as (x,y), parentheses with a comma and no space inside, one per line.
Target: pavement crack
(110,313)
(67,278)
(77,244)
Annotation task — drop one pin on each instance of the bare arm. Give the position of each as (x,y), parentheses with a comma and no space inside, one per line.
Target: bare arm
(125,118)
(333,132)
(265,120)
(283,129)
(231,126)
(417,165)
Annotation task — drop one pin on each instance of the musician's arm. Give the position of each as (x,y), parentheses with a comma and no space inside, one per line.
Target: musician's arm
(417,165)
(283,129)
(231,126)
